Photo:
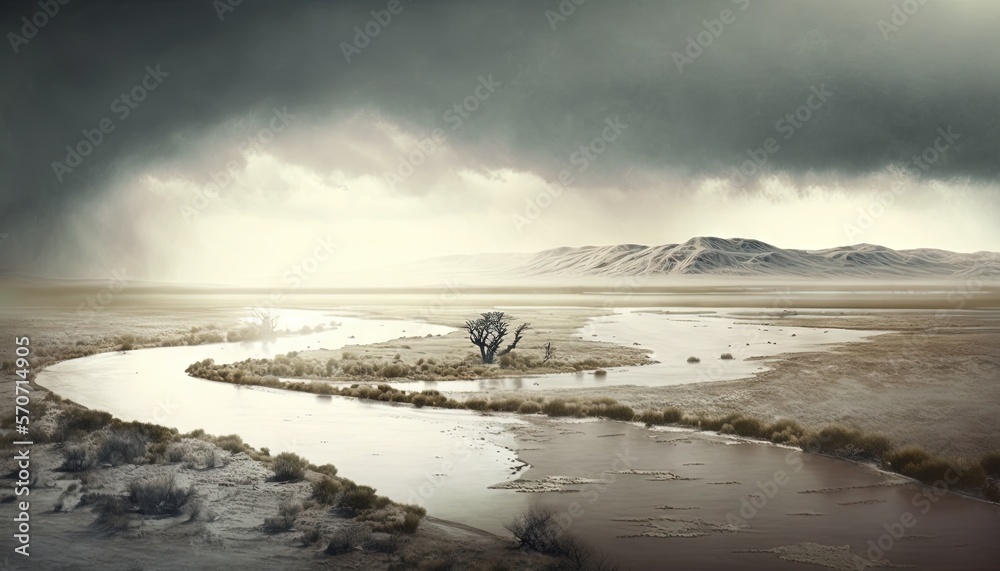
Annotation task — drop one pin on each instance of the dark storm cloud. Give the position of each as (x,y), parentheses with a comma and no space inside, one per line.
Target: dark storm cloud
(892,88)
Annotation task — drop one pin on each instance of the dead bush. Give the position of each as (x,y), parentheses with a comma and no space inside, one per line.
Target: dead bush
(159,495)
(348,538)
(75,458)
(121,446)
(285,520)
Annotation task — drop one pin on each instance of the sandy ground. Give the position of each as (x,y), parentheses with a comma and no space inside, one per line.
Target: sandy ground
(228,532)
(935,384)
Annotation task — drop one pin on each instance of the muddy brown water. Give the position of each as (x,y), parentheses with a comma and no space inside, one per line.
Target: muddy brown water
(724,502)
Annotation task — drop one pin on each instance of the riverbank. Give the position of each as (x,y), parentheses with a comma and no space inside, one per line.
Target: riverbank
(224,521)
(234,512)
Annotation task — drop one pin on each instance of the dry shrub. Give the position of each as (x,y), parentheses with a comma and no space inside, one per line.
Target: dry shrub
(177,452)
(619,412)
(152,432)
(80,420)
(749,427)
(214,459)
(672,415)
(113,513)
(231,443)
(289,467)
(122,446)
(529,407)
(902,459)
(991,464)
(159,495)
(476,403)
(288,510)
(325,469)
(991,490)
(325,490)
(382,543)
(348,538)
(310,536)
(411,522)
(557,407)
(75,458)
(785,432)
(359,498)
(511,404)
(651,417)
(847,443)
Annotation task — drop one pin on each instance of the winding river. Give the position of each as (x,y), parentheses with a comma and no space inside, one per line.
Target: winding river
(651,498)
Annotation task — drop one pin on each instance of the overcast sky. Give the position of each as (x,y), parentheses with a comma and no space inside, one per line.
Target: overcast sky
(435,128)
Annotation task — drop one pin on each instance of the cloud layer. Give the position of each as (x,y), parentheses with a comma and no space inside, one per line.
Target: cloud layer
(828,95)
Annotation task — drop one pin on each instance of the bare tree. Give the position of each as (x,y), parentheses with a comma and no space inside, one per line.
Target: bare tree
(267,322)
(488,333)
(550,352)
(537,530)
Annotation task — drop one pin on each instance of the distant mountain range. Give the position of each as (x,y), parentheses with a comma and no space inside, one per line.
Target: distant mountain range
(742,257)
(702,256)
